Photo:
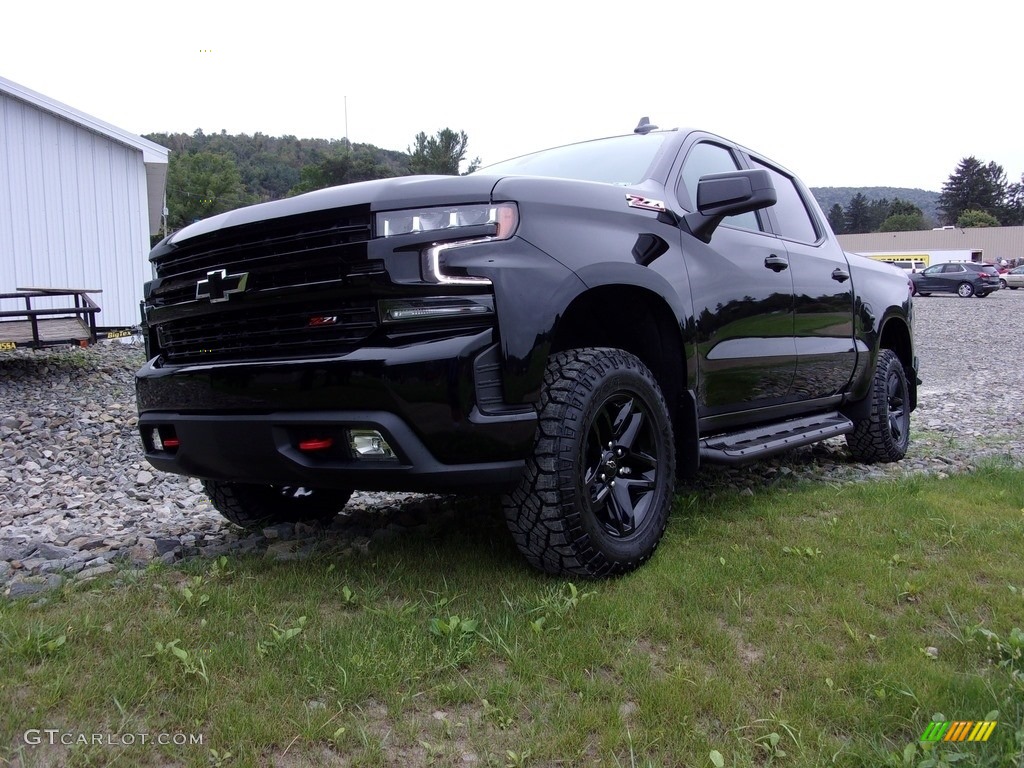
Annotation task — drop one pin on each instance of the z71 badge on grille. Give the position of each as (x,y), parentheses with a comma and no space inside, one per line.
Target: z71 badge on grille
(219,285)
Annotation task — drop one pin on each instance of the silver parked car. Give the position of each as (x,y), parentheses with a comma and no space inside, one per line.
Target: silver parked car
(1013,279)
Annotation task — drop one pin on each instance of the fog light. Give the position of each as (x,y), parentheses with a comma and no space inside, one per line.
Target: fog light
(370,444)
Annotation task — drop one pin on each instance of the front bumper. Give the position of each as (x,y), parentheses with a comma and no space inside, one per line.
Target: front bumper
(244,421)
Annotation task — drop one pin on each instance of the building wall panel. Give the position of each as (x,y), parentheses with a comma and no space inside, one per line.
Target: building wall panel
(73,210)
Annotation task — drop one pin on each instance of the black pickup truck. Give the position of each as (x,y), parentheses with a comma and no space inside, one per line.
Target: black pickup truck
(573,329)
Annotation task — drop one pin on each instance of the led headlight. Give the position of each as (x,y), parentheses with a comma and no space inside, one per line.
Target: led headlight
(449,219)
(475,223)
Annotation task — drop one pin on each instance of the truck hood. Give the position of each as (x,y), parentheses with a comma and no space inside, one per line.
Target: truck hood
(378,195)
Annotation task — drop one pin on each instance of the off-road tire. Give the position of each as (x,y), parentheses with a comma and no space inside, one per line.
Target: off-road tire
(257,506)
(583,507)
(885,434)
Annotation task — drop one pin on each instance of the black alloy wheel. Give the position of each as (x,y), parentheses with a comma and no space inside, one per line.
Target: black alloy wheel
(884,435)
(595,496)
(621,465)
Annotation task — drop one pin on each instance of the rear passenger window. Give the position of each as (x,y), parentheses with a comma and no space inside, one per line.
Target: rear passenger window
(795,222)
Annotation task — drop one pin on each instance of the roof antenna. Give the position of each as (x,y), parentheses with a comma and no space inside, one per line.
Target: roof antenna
(645,126)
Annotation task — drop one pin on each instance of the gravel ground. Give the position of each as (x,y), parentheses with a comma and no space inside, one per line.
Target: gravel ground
(77,499)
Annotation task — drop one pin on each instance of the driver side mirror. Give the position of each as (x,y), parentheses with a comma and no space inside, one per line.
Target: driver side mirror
(728,194)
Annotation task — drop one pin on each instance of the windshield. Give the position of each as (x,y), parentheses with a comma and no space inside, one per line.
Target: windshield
(620,160)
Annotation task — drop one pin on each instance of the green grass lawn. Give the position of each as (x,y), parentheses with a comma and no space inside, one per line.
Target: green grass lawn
(804,626)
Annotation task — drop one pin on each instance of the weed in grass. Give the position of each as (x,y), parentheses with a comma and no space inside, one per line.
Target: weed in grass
(1006,652)
(947,532)
(218,570)
(194,599)
(38,643)
(738,600)
(280,637)
(348,597)
(909,593)
(458,636)
(555,604)
(771,735)
(497,715)
(808,552)
(959,630)
(179,659)
(515,759)
(219,759)
(716,759)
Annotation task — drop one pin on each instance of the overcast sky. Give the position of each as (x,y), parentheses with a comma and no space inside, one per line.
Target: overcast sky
(862,93)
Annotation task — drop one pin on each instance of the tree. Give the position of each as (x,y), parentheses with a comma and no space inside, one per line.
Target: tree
(878,211)
(975,218)
(440,154)
(903,216)
(903,222)
(345,166)
(201,184)
(973,186)
(1012,213)
(837,219)
(857,215)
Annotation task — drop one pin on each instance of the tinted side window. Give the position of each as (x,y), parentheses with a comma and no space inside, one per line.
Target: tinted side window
(704,159)
(795,223)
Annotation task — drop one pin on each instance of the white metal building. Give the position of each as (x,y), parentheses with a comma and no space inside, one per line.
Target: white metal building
(995,243)
(79,199)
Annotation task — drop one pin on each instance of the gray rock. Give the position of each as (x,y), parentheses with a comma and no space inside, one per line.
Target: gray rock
(165,545)
(53,552)
(96,570)
(33,585)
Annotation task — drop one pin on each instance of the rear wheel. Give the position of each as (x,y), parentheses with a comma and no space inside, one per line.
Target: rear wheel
(885,434)
(966,290)
(982,294)
(1002,284)
(595,497)
(256,506)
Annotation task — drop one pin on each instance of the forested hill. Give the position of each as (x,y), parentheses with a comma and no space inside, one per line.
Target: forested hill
(926,201)
(271,166)
(216,172)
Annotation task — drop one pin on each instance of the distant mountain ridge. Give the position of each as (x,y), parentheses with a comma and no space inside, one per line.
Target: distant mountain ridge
(923,199)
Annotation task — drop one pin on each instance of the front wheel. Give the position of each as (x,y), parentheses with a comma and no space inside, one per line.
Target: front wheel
(256,506)
(885,434)
(595,496)
(965,290)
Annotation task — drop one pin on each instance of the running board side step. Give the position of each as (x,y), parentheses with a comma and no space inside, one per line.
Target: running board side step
(769,439)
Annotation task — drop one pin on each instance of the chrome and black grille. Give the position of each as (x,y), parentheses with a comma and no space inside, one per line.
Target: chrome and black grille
(291,241)
(282,271)
(280,332)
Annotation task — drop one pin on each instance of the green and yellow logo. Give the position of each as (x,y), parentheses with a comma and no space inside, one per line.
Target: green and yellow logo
(959,730)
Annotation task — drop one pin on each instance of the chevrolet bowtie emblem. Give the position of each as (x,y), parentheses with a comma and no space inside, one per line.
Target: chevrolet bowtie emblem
(219,285)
